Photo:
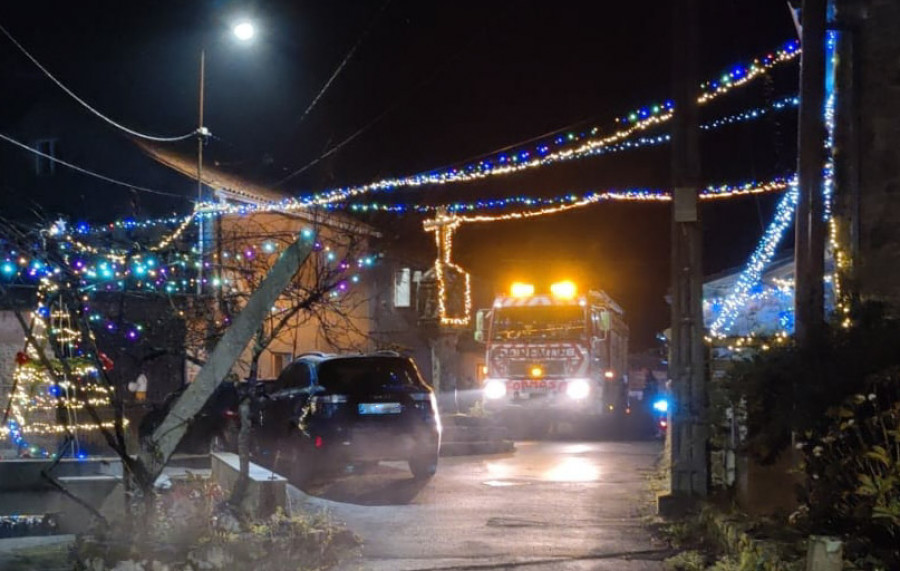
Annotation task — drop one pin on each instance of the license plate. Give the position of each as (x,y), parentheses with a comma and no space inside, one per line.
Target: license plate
(536,385)
(380,408)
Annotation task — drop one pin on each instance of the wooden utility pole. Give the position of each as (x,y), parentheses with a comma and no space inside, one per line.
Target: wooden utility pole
(809,243)
(687,368)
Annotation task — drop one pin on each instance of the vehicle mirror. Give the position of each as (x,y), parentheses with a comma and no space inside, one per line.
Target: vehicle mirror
(479,324)
(604,320)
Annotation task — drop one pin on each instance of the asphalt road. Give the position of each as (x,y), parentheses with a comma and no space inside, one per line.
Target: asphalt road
(548,506)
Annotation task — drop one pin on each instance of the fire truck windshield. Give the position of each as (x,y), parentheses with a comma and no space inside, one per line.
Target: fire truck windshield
(538,323)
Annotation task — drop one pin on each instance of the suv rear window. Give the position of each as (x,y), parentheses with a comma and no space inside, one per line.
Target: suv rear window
(365,374)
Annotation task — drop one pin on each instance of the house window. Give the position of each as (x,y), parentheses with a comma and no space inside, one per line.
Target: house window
(280,361)
(402,283)
(44,165)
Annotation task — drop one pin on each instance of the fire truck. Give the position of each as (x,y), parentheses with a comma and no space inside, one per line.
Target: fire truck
(553,356)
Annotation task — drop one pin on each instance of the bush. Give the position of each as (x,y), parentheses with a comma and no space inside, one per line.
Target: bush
(852,469)
(842,399)
(191,527)
(787,390)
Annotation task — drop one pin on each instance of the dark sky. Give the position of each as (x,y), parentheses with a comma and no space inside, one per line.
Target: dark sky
(433,84)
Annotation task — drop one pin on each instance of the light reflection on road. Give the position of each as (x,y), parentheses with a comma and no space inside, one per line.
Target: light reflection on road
(573,469)
(571,463)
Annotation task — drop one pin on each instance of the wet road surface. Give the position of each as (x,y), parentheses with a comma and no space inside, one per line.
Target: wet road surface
(549,505)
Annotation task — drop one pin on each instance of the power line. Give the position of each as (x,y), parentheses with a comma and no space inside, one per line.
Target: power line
(343,63)
(85,171)
(87,106)
(335,148)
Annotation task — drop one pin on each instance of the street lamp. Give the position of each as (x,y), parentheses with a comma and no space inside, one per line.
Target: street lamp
(244,31)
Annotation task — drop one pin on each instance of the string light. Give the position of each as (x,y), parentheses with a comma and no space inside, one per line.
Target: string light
(759,259)
(589,144)
(589,149)
(791,102)
(444,227)
(752,274)
(741,75)
(41,394)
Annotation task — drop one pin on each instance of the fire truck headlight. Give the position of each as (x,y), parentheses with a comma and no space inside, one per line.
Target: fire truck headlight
(495,388)
(578,388)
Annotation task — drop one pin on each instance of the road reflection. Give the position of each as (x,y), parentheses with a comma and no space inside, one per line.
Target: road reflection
(573,469)
(569,463)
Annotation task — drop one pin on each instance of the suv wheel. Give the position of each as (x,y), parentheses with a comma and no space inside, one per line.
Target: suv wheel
(423,467)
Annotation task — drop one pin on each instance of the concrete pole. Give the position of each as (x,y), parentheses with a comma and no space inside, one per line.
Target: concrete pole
(809,244)
(687,355)
(166,437)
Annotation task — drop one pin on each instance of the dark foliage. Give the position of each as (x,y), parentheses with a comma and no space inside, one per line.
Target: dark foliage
(788,390)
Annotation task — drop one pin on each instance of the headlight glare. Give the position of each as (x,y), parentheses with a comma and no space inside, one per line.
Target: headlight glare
(578,388)
(495,388)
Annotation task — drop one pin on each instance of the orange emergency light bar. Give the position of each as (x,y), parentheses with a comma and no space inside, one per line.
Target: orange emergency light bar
(520,289)
(564,290)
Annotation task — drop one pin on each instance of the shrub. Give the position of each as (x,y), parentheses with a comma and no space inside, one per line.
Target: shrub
(191,527)
(852,471)
(787,390)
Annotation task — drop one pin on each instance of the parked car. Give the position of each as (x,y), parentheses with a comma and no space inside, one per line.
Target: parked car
(214,428)
(327,411)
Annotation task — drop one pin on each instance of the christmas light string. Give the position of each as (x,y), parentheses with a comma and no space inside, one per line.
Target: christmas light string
(516,161)
(566,201)
(213,209)
(737,299)
(446,223)
(590,149)
(759,259)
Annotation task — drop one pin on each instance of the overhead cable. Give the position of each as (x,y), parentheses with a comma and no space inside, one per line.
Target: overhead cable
(87,172)
(87,106)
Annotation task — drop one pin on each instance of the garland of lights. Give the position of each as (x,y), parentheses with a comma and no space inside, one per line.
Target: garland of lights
(444,227)
(214,209)
(446,223)
(759,259)
(639,120)
(542,155)
(752,274)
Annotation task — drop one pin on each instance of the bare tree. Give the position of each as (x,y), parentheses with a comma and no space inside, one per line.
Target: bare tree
(322,306)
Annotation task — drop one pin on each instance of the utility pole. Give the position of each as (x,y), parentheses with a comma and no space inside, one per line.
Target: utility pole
(809,243)
(687,368)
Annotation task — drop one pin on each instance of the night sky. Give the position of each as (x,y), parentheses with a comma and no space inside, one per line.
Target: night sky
(431,84)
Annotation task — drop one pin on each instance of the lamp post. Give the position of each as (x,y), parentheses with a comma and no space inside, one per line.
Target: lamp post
(244,31)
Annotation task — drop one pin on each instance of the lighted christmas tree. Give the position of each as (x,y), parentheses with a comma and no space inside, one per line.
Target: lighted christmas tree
(49,408)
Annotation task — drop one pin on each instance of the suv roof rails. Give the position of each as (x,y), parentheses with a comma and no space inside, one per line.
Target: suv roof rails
(389,352)
(310,354)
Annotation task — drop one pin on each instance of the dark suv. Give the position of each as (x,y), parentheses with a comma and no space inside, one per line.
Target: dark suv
(327,411)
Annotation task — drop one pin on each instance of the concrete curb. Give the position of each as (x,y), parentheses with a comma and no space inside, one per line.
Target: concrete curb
(729,533)
(465,435)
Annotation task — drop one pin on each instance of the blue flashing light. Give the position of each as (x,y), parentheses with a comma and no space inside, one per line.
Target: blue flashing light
(662,405)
